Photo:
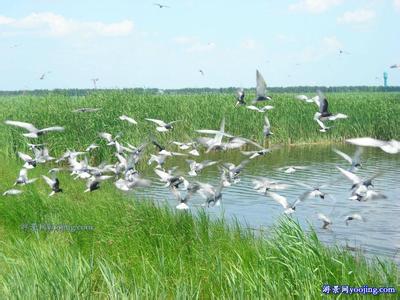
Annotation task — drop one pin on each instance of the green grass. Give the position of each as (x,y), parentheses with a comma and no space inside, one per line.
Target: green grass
(140,250)
(370,114)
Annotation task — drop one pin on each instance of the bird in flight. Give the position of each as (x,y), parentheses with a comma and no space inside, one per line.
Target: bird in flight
(201,72)
(161,5)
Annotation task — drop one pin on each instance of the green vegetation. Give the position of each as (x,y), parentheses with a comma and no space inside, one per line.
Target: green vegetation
(140,250)
(370,114)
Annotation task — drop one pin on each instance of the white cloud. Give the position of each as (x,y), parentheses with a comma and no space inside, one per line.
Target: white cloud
(314,6)
(193,44)
(396,4)
(361,16)
(51,24)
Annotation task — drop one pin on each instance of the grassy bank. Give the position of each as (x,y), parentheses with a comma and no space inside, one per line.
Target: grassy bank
(370,114)
(141,250)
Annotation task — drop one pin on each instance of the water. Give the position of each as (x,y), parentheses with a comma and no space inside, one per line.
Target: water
(379,235)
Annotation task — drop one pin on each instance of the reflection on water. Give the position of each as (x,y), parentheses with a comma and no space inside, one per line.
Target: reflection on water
(378,235)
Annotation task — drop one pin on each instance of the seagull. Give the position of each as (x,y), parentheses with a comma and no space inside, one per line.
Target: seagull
(33,131)
(261,89)
(291,169)
(86,110)
(30,163)
(91,147)
(23,177)
(306,99)
(325,220)
(253,154)
(54,184)
(391,146)
(395,66)
(324,114)
(359,184)
(42,155)
(354,217)
(234,171)
(171,180)
(183,201)
(260,110)
(267,127)
(262,185)
(366,195)
(44,75)
(211,194)
(289,208)
(12,192)
(355,161)
(128,119)
(196,167)
(133,182)
(161,5)
(216,142)
(162,126)
(108,137)
(93,182)
(312,191)
(240,97)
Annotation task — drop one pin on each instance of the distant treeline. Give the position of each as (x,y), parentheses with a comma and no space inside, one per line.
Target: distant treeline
(293,89)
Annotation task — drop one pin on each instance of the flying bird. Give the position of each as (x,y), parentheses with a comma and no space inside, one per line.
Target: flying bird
(267,127)
(161,5)
(395,66)
(54,184)
(289,208)
(163,126)
(240,97)
(128,119)
(354,217)
(392,146)
(260,110)
(33,131)
(326,221)
(261,89)
(355,161)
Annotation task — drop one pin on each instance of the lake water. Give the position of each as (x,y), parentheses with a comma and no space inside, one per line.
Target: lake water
(378,235)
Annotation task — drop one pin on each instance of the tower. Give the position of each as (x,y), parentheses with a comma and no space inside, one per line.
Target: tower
(385,77)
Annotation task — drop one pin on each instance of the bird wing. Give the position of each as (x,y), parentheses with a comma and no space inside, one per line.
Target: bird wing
(158,122)
(266,122)
(344,155)
(49,181)
(106,136)
(163,175)
(252,107)
(24,125)
(351,176)
(323,108)
(55,128)
(278,198)
(366,141)
(24,157)
(324,218)
(261,88)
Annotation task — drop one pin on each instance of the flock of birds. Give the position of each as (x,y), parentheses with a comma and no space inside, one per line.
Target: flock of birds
(126,177)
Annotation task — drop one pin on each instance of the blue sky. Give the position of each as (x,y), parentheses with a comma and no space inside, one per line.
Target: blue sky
(136,44)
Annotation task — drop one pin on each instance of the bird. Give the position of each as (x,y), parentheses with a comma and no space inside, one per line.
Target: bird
(324,114)
(240,95)
(260,152)
(201,72)
(323,127)
(30,163)
(196,167)
(211,194)
(262,185)
(44,75)
(306,99)
(233,171)
(354,217)
(86,110)
(355,161)
(216,142)
(128,119)
(395,66)
(326,221)
(391,147)
(161,5)
(163,126)
(12,192)
(108,137)
(91,147)
(291,169)
(366,195)
(267,127)
(129,184)
(261,89)
(183,146)
(289,208)
(358,184)
(343,52)
(260,110)
(94,80)
(54,184)
(33,131)
(93,182)
(23,178)
(312,191)
(171,180)
(183,201)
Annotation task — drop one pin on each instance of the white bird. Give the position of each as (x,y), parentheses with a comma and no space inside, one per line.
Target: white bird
(366,195)
(262,185)
(91,147)
(30,163)
(171,180)
(354,217)
(291,169)
(322,126)
(267,127)
(134,182)
(391,146)
(23,177)
(325,220)
(163,126)
(12,192)
(260,110)
(196,167)
(183,201)
(240,97)
(355,161)
(128,119)
(54,184)
(108,137)
(289,208)
(306,99)
(33,131)
(93,182)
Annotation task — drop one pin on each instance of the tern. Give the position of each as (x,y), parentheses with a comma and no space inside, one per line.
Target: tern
(326,221)
(196,167)
(267,127)
(354,217)
(240,97)
(306,99)
(289,208)
(355,161)
(23,177)
(128,119)
(12,192)
(260,152)
(54,184)
(359,184)
(322,126)
(261,89)
(183,201)
(33,131)
(163,126)
(161,5)
(262,185)
(366,195)
(171,180)
(93,182)
(395,66)
(324,114)
(30,163)
(260,110)
(291,169)
(392,146)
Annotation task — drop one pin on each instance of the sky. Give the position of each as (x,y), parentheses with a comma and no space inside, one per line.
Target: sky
(129,44)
